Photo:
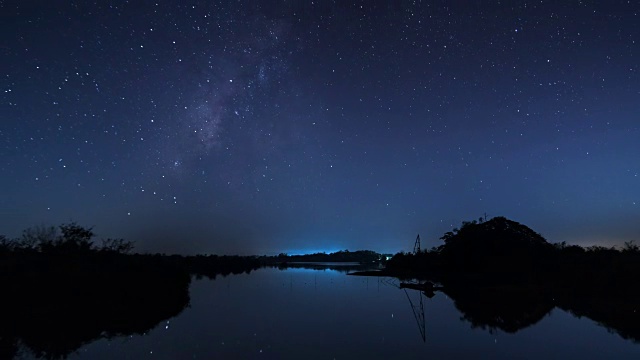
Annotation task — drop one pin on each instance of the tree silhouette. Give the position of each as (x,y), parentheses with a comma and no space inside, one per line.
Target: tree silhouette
(497,246)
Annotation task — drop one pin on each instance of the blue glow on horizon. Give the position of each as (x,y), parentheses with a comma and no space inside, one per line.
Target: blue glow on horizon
(314,251)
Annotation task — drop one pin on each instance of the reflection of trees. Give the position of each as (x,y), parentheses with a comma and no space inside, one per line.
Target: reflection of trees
(509,309)
(620,315)
(61,291)
(52,305)
(513,308)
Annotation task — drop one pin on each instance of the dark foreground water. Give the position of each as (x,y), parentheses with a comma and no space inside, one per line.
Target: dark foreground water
(326,314)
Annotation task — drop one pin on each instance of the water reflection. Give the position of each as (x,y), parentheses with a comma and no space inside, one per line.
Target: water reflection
(418,314)
(514,308)
(506,309)
(316,312)
(53,314)
(620,315)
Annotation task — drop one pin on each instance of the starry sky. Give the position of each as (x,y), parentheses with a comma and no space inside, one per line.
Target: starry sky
(243,127)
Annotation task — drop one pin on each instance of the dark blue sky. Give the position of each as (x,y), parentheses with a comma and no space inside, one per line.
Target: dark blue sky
(244,127)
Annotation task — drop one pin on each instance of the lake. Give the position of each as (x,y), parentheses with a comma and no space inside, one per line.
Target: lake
(326,314)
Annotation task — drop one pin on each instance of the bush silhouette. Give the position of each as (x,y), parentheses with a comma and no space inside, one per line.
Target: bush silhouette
(68,238)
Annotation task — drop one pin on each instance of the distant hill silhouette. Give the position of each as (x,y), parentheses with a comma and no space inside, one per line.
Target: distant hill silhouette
(497,233)
(360,256)
(499,245)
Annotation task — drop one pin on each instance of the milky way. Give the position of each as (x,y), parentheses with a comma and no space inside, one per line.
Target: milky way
(244,128)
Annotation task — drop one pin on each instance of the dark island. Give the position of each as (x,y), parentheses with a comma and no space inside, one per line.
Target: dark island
(503,275)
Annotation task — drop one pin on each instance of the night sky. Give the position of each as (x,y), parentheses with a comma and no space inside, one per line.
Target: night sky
(259,127)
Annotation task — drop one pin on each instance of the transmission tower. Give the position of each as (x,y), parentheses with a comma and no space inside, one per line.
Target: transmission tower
(416,246)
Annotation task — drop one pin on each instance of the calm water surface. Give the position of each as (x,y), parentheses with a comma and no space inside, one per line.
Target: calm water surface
(325,314)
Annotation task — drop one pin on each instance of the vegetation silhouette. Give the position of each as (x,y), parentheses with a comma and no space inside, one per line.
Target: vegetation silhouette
(503,275)
(343,268)
(61,290)
(360,256)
